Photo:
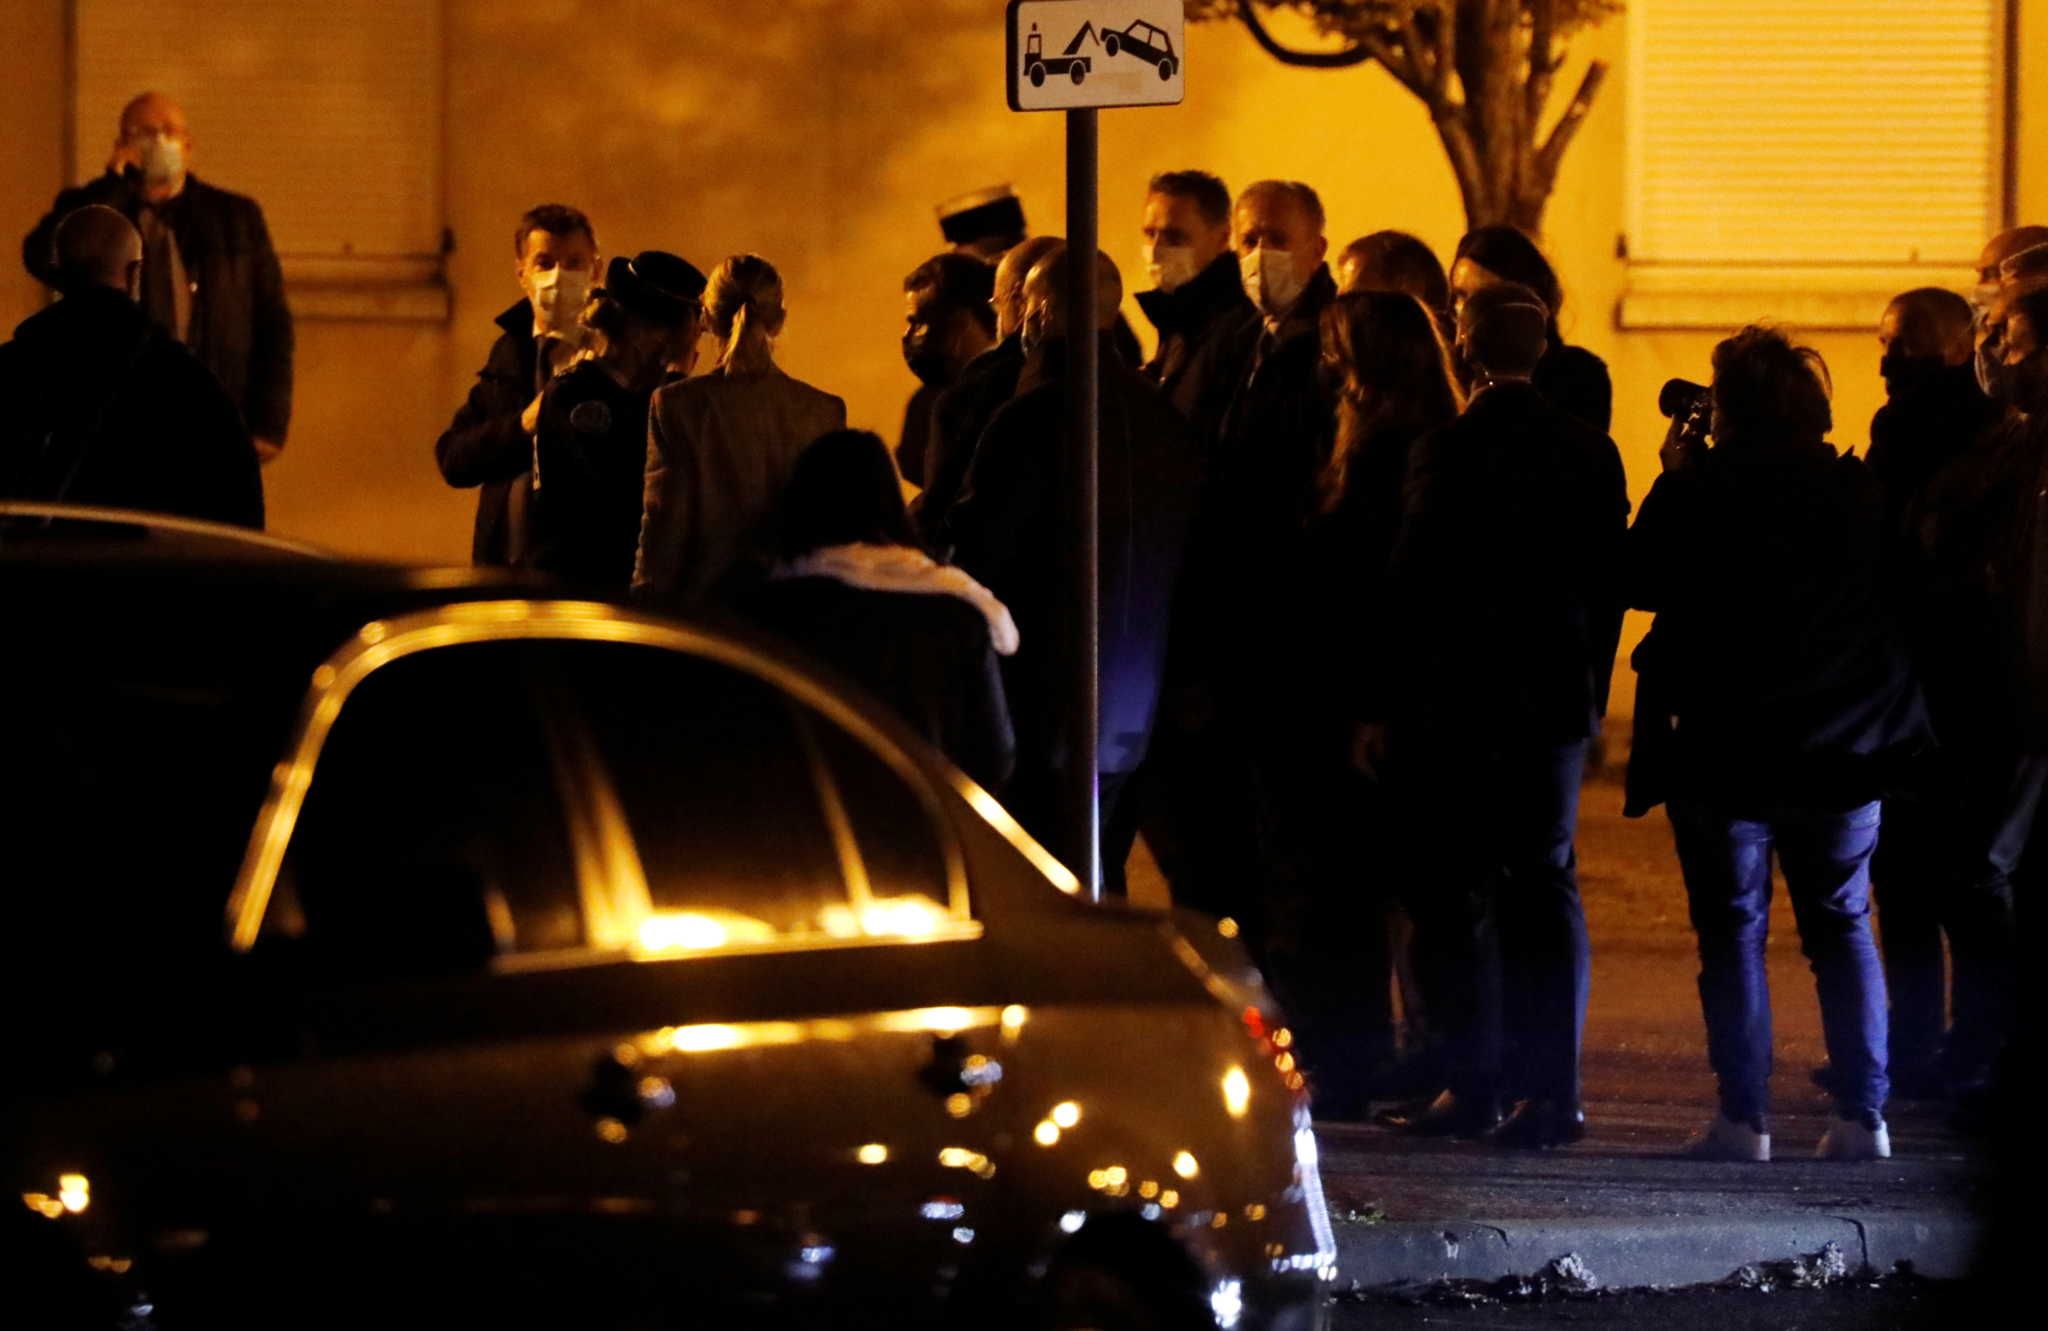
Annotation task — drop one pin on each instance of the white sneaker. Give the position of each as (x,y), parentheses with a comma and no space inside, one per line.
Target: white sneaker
(1727,1139)
(1850,1139)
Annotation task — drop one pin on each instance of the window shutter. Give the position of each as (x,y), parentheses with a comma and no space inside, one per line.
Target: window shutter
(328,114)
(1814,131)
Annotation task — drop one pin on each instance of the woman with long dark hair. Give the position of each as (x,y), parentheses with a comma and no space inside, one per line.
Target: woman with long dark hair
(1573,378)
(854,589)
(1393,383)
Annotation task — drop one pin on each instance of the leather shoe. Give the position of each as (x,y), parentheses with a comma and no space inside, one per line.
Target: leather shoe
(1539,1124)
(1448,1115)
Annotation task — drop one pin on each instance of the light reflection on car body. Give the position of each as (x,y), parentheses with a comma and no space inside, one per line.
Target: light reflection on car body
(912,1109)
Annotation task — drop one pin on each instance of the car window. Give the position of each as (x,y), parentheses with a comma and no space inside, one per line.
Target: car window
(757,819)
(551,796)
(433,806)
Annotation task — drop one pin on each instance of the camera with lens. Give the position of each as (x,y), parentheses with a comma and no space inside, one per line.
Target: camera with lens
(1680,398)
(1690,408)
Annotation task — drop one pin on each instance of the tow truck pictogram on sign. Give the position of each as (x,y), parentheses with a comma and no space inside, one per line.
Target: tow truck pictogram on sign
(1119,53)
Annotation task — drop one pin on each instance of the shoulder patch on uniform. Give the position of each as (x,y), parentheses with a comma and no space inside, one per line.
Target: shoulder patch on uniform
(592,417)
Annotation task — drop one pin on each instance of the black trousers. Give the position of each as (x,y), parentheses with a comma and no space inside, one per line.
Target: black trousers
(1501,948)
(1945,865)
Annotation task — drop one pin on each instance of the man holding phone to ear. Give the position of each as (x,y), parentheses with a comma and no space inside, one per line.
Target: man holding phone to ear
(209,274)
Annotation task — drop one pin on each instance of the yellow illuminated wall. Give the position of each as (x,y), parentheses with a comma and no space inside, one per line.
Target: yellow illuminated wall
(820,133)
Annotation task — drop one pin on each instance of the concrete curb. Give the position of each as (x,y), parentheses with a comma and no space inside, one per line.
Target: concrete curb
(1630,1254)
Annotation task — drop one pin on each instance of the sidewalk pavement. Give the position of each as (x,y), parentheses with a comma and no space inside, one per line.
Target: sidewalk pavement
(1633,1212)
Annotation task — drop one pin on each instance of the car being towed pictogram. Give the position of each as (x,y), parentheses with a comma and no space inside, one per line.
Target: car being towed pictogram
(1146,42)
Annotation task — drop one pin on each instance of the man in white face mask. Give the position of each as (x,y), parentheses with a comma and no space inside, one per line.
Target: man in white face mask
(1197,301)
(210,276)
(1240,636)
(490,442)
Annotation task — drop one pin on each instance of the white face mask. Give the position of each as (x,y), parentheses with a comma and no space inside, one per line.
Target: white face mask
(1271,279)
(1170,267)
(163,159)
(558,296)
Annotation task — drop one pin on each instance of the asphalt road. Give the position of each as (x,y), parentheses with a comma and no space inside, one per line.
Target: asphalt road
(1895,1308)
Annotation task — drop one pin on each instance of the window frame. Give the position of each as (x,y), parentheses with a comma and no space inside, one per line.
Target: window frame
(1726,294)
(410,287)
(381,642)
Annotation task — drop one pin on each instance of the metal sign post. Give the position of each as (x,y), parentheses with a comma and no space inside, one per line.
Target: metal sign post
(1076,56)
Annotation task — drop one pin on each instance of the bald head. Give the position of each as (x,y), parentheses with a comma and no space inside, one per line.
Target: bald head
(1046,287)
(98,247)
(1502,330)
(1015,266)
(2004,246)
(1927,323)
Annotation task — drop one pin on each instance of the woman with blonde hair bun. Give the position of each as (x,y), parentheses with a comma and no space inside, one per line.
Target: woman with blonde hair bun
(720,448)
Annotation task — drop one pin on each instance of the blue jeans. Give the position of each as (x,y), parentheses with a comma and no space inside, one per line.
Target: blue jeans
(1826,860)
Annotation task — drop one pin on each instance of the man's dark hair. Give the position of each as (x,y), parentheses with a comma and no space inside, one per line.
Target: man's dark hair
(844,491)
(557,219)
(1208,193)
(1769,393)
(958,283)
(1507,251)
(1505,329)
(1397,261)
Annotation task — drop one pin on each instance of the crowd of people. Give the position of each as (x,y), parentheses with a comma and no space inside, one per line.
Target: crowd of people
(1365,549)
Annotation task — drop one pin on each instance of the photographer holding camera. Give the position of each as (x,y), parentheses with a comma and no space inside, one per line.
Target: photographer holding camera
(1776,703)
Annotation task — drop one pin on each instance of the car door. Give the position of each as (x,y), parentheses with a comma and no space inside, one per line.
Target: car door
(577,932)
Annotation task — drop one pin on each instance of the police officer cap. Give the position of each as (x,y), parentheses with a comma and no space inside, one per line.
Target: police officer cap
(655,284)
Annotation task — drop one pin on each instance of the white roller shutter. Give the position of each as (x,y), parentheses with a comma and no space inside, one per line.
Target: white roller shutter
(1767,132)
(328,113)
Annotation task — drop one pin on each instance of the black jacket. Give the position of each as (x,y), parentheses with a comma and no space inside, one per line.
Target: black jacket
(590,456)
(1774,671)
(913,446)
(961,413)
(240,328)
(484,446)
(1576,382)
(104,407)
(1202,334)
(1256,501)
(1344,583)
(1011,527)
(927,655)
(1916,434)
(1504,583)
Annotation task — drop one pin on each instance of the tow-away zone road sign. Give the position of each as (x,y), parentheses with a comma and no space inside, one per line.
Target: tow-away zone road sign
(1067,54)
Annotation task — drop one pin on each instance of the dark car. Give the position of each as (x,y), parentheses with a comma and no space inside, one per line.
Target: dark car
(407,946)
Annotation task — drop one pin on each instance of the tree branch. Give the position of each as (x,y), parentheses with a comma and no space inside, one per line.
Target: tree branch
(1568,124)
(1421,56)
(1542,33)
(1286,55)
(1464,155)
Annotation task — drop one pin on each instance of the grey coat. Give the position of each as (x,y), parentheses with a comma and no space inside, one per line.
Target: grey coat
(719,452)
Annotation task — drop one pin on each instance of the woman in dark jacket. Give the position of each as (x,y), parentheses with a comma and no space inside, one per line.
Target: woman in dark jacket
(590,443)
(1776,705)
(1573,378)
(1393,382)
(854,589)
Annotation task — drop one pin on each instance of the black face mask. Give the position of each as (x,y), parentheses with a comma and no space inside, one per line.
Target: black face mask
(925,360)
(1911,376)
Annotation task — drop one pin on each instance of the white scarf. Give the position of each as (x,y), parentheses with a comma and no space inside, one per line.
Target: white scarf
(901,568)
